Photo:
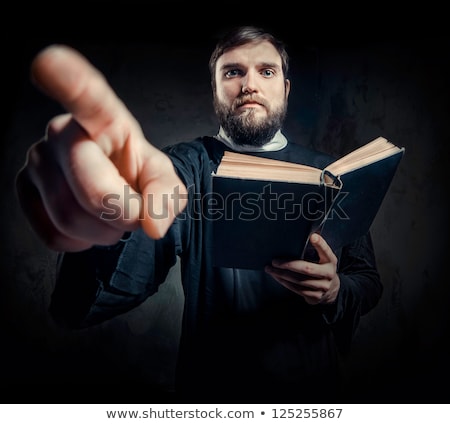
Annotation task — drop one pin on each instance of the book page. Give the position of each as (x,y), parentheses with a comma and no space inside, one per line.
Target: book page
(373,151)
(247,166)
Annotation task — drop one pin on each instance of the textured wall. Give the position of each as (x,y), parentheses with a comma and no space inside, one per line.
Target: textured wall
(342,96)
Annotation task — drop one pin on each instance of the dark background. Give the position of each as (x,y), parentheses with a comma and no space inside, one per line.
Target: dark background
(353,79)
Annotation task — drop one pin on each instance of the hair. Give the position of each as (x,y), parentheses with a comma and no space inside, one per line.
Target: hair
(243,35)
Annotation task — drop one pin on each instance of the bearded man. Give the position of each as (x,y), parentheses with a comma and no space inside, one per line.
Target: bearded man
(270,335)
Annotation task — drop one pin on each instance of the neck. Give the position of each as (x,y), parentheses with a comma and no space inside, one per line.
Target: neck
(277,142)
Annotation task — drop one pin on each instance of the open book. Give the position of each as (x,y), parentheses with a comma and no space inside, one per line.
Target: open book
(266,208)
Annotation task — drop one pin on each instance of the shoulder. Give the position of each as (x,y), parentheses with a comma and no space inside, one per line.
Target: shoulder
(199,146)
(200,154)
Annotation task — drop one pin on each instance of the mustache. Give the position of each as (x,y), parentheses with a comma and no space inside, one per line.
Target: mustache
(249,98)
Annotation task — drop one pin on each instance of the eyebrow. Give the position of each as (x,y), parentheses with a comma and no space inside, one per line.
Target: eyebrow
(231,65)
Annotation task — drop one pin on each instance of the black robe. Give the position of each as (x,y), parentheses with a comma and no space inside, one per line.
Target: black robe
(245,338)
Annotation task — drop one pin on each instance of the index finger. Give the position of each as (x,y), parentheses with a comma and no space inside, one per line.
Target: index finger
(68,77)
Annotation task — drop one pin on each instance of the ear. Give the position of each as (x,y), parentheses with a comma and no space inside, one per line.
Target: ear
(287,87)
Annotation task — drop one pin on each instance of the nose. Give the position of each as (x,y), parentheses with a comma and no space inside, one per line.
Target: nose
(249,83)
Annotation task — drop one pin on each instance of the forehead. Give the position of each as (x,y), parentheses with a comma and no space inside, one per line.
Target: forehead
(250,54)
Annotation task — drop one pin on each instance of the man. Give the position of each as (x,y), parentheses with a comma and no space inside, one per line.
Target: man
(269,335)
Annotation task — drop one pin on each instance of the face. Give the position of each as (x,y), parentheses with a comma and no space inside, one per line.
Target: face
(250,96)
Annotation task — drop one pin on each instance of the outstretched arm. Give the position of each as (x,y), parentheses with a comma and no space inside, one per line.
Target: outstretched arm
(92,161)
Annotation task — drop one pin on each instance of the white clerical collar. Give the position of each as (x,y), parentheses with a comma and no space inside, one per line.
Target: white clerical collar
(278,142)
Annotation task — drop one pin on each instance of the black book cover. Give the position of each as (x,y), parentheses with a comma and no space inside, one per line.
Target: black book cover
(357,204)
(255,220)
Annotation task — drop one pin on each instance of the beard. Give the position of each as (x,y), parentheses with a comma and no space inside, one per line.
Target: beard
(248,128)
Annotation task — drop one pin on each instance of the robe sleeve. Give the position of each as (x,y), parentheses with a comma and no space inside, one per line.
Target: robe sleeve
(102,282)
(99,283)
(360,289)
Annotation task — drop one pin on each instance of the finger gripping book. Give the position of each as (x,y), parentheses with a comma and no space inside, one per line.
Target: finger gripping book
(263,209)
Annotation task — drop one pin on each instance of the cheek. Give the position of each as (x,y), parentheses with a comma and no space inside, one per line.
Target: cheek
(278,98)
(227,93)
(279,93)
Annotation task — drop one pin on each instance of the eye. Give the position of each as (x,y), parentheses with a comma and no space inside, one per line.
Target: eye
(268,73)
(233,73)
